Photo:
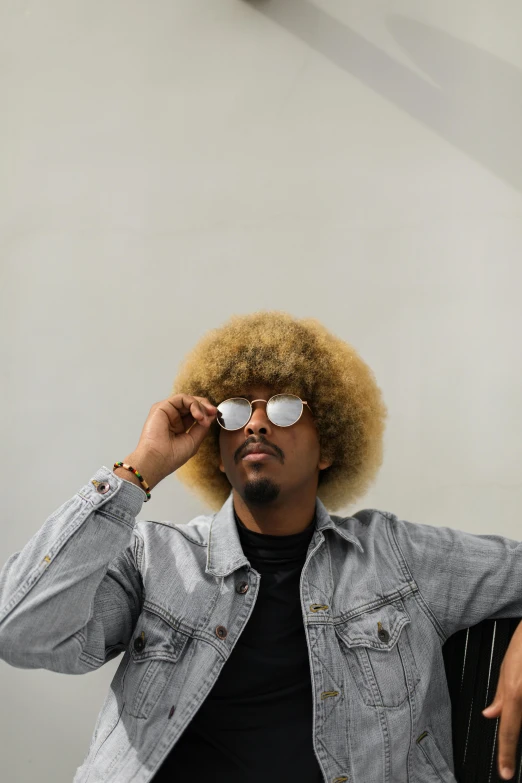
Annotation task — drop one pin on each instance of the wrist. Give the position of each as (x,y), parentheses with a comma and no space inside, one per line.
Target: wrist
(145,466)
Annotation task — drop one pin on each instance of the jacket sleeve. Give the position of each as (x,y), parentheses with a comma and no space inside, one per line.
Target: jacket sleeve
(70,599)
(462,577)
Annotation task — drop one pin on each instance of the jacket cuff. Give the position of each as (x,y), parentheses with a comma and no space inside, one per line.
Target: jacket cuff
(123,498)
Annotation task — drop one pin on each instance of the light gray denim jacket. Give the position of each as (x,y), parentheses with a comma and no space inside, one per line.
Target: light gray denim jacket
(379,597)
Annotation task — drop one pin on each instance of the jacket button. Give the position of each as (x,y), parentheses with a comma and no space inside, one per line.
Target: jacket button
(241,587)
(139,642)
(102,487)
(221,631)
(383,635)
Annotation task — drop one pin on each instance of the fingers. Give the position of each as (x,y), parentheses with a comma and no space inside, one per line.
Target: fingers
(202,410)
(191,409)
(508,735)
(509,732)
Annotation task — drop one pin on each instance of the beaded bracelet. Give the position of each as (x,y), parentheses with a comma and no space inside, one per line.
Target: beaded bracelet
(133,470)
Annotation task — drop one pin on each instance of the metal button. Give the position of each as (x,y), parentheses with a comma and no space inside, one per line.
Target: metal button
(242,587)
(139,642)
(171,713)
(221,631)
(383,634)
(102,487)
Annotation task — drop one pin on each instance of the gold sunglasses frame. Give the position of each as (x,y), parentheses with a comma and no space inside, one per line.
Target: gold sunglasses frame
(303,403)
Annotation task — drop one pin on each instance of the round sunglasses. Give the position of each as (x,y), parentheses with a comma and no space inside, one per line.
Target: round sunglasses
(283,410)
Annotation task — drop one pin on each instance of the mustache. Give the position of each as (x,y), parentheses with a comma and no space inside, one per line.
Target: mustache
(261,442)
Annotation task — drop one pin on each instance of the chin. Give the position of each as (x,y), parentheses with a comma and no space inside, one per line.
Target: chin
(260,491)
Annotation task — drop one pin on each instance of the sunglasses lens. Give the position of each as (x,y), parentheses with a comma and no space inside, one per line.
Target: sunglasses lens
(284,409)
(234,413)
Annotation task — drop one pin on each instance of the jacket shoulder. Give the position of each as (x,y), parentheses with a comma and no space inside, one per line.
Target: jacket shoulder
(364,520)
(195,530)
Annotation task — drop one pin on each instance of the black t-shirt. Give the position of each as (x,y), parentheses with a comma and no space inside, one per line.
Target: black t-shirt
(256,723)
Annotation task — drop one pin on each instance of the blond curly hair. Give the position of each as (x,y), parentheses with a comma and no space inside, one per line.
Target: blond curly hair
(296,356)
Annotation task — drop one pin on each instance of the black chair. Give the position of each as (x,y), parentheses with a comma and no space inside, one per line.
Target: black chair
(472,659)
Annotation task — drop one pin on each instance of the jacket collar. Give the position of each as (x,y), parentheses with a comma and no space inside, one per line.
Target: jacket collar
(225,554)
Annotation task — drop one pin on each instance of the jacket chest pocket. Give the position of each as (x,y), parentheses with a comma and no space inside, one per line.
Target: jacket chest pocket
(155,650)
(377,652)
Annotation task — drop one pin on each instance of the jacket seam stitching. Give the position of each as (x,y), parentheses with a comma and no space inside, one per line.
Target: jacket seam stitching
(177,528)
(103,512)
(430,614)
(389,598)
(176,625)
(139,544)
(91,660)
(38,571)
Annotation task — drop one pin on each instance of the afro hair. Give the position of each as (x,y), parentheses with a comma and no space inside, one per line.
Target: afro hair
(296,356)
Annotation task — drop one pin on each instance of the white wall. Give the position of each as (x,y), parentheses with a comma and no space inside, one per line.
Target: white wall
(166,164)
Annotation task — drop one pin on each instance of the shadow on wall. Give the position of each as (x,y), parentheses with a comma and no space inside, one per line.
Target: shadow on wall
(477,106)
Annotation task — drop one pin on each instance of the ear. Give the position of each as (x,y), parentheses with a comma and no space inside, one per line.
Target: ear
(221,466)
(324,463)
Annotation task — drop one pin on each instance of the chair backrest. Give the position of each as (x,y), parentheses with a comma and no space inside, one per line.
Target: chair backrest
(472,659)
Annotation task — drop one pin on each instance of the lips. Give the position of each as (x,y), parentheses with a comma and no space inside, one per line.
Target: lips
(258,448)
(258,456)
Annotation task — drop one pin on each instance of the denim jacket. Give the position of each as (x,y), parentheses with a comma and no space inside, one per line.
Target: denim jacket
(379,597)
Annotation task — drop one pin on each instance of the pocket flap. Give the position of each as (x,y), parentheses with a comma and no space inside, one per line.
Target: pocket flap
(378,628)
(155,638)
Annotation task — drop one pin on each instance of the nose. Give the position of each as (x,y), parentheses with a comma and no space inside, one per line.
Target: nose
(259,421)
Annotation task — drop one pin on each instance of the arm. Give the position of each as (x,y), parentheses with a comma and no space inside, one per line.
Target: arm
(69,600)
(463,578)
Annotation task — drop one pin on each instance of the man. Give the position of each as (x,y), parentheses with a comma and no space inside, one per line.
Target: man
(270,640)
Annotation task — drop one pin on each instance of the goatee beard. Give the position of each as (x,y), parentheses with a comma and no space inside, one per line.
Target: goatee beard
(260,492)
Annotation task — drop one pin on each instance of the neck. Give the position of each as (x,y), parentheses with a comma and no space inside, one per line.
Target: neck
(280,518)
